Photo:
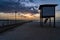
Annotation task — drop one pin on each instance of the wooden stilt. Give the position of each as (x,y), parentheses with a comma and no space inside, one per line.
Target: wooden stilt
(41,21)
(54,22)
(50,22)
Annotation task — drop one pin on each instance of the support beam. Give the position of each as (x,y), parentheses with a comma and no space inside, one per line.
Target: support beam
(50,22)
(41,21)
(54,22)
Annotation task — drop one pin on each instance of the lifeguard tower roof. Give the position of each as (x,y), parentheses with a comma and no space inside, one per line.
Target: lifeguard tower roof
(47,5)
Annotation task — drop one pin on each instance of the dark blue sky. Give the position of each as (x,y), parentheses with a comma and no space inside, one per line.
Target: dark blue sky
(38,2)
(29,4)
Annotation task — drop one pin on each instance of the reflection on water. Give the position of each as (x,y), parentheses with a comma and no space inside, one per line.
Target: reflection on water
(7,22)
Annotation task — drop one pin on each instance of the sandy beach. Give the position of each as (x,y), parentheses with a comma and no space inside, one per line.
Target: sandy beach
(31,31)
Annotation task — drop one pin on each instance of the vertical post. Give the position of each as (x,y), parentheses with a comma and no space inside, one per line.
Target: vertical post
(41,18)
(15,16)
(54,22)
(41,21)
(54,17)
(50,22)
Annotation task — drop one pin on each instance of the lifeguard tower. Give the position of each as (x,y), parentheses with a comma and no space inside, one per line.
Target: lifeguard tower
(47,11)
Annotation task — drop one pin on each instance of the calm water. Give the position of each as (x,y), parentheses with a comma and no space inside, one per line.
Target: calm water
(7,22)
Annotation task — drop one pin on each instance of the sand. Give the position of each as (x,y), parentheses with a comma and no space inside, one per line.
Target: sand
(31,31)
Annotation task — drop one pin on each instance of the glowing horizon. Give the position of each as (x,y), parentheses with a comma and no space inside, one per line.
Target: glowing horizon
(23,16)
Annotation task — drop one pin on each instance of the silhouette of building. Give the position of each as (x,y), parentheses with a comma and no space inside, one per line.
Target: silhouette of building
(47,11)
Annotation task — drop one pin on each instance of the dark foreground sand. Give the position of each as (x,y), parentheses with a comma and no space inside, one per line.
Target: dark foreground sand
(31,31)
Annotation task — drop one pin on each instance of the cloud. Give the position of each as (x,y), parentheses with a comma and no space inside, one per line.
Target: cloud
(11,6)
(6,6)
(25,5)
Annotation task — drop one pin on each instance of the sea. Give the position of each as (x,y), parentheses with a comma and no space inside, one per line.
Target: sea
(9,22)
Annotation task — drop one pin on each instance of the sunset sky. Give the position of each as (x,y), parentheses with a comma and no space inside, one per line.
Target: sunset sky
(27,9)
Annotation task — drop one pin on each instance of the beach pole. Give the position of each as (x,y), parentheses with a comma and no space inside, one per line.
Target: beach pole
(50,22)
(54,22)
(41,21)
(54,18)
